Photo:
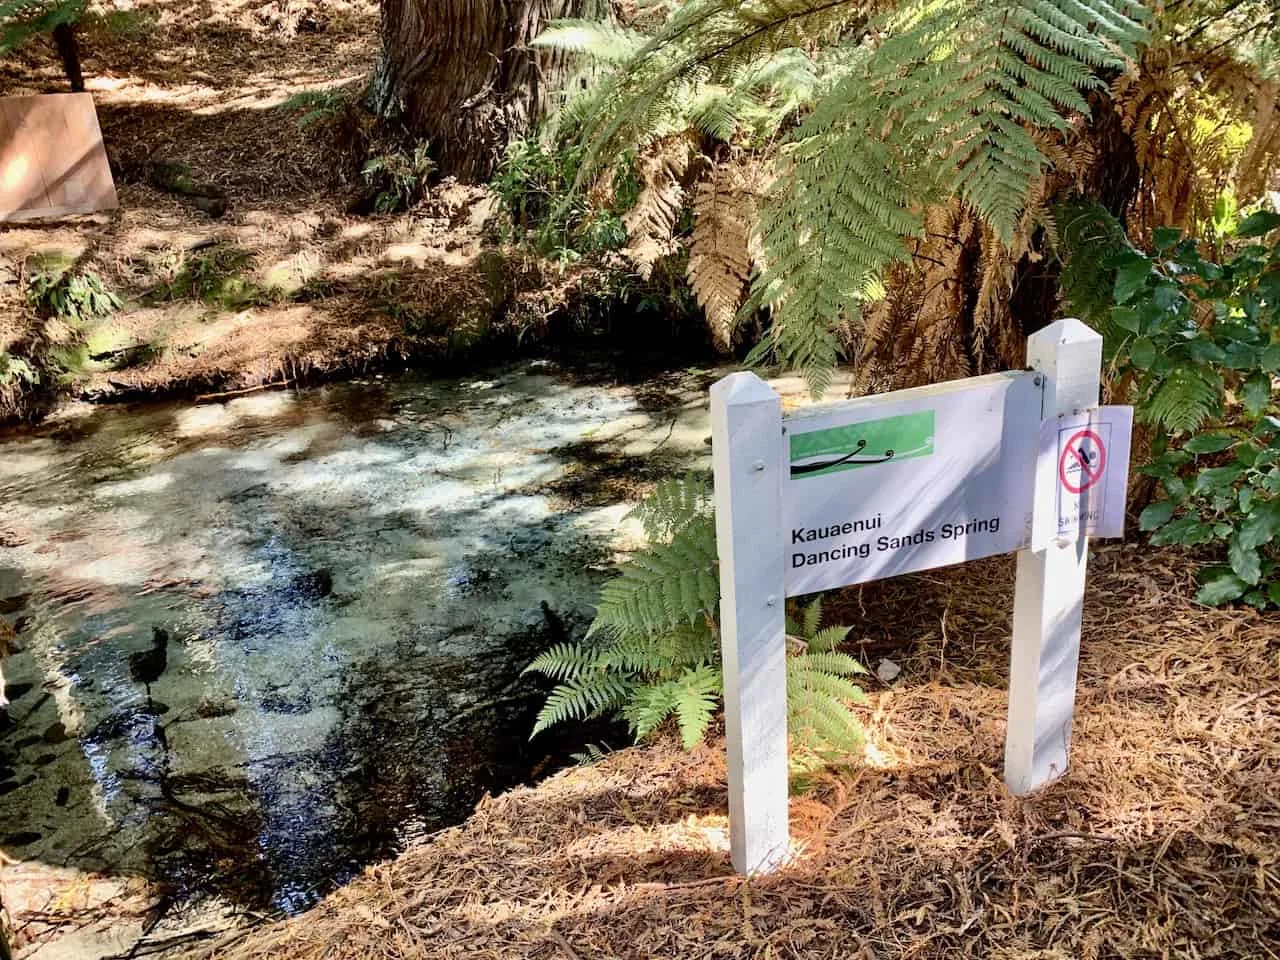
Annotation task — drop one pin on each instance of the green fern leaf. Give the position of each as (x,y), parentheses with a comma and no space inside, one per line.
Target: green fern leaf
(698,695)
(812,618)
(584,696)
(564,661)
(1185,399)
(828,639)
(605,42)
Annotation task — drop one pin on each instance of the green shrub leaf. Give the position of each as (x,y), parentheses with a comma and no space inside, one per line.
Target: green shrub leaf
(1155,515)
(1143,353)
(1258,224)
(1217,478)
(1259,528)
(1245,561)
(1271,358)
(1126,318)
(1256,394)
(1189,531)
(1209,443)
(1221,588)
(1131,276)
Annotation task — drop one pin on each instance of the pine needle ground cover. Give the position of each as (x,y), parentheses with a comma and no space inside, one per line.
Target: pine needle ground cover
(1162,841)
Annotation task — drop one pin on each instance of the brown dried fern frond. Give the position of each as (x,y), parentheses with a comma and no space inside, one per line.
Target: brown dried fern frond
(725,208)
(651,222)
(1202,122)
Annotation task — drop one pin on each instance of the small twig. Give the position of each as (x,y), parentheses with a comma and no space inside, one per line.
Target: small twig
(1075,835)
(496,702)
(688,884)
(942,650)
(211,397)
(144,947)
(556,938)
(670,430)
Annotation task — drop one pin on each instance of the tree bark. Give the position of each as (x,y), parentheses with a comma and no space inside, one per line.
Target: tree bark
(461,73)
(64,38)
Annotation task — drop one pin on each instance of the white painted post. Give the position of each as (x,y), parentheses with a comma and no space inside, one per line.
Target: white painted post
(747,451)
(1049,593)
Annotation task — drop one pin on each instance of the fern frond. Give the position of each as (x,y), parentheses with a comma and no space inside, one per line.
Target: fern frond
(804,679)
(821,724)
(828,639)
(830,662)
(1089,240)
(924,101)
(812,618)
(720,250)
(605,42)
(692,698)
(651,222)
(564,661)
(656,650)
(666,585)
(673,505)
(1185,399)
(586,695)
(716,109)
(698,695)
(686,645)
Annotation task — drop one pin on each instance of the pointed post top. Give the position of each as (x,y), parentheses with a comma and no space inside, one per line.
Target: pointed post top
(740,388)
(1065,332)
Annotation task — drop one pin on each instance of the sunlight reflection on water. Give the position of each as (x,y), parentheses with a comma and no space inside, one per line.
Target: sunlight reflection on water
(341,572)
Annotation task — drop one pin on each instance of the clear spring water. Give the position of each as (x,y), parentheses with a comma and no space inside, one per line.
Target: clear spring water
(352,578)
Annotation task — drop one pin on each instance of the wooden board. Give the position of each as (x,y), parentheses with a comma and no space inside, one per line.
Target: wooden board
(52,161)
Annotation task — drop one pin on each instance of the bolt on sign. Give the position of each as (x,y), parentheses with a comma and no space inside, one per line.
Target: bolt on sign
(844,493)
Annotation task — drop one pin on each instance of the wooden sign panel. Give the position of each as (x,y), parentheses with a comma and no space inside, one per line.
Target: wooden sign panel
(52,161)
(890,484)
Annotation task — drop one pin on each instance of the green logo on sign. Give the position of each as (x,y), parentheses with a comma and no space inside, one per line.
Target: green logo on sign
(862,444)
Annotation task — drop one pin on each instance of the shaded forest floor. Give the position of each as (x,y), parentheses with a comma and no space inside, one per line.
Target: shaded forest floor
(290,283)
(1162,841)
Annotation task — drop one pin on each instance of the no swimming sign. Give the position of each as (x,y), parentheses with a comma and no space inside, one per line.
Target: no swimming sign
(1083,471)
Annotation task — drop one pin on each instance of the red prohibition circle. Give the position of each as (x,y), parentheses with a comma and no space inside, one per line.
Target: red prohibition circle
(1092,474)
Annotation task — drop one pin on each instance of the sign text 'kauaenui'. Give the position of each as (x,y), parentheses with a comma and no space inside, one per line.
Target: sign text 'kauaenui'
(887,485)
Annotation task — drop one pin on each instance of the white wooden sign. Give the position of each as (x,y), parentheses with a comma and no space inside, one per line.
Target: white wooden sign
(922,478)
(850,492)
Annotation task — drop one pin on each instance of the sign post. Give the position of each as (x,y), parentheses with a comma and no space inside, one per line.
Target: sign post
(746,421)
(1048,599)
(843,493)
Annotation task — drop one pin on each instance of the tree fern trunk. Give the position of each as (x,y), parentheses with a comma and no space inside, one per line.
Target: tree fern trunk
(64,38)
(461,73)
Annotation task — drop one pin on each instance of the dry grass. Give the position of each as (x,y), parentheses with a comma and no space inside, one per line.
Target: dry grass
(1162,841)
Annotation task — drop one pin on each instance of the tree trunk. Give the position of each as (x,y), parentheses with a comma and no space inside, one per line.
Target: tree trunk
(64,38)
(461,73)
